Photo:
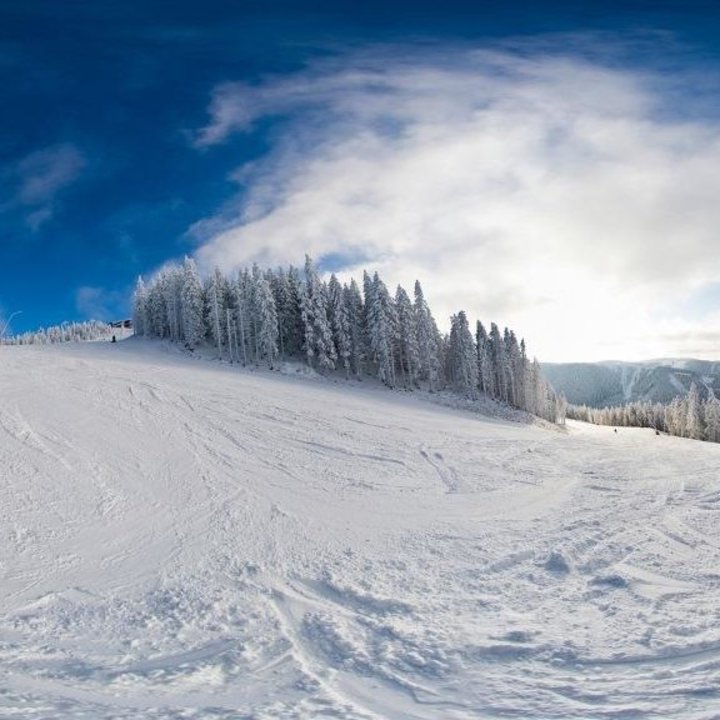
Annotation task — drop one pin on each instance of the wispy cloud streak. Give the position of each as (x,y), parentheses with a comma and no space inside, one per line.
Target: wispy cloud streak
(34,182)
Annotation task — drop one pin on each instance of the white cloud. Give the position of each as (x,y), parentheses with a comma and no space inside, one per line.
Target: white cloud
(546,192)
(97,303)
(35,181)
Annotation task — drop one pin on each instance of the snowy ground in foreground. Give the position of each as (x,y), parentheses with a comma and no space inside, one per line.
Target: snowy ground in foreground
(185,540)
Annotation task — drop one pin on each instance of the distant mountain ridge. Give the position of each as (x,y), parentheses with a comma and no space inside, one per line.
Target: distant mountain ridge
(613,383)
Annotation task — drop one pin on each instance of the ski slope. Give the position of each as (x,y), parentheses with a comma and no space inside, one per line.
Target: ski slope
(182,539)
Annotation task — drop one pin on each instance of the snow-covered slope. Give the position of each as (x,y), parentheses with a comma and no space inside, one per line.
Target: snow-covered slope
(186,540)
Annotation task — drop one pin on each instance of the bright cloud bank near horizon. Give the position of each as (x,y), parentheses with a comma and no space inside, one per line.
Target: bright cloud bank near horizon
(560,196)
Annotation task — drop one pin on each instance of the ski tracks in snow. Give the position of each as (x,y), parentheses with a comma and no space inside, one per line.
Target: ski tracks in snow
(185,540)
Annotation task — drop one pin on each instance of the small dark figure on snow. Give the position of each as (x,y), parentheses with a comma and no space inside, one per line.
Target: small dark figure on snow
(113,340)
(615,430)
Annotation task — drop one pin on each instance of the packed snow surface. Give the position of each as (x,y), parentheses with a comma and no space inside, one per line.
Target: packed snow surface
(182,539)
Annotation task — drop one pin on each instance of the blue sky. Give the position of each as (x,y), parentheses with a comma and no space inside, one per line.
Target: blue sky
(133,133)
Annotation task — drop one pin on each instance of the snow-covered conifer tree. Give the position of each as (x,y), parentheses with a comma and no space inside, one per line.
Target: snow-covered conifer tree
(339,323)
(499,363)
(319,347)
(171,280)
(267,322)
(408,352)
(712,419)
(486,376)
(508,368)
(140,311)
(355,315)
(516,369)
(368,299)
(462,356)
(156,310)
(521,379)
(287,287)
(244,340)
(693,419)
(675,417)
(381,330)
(193,304)
(215,306)
(428,340)
(291,314)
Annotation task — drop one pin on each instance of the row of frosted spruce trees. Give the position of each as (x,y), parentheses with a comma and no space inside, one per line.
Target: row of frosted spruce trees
(686,416)
(261,316)
(67,332)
